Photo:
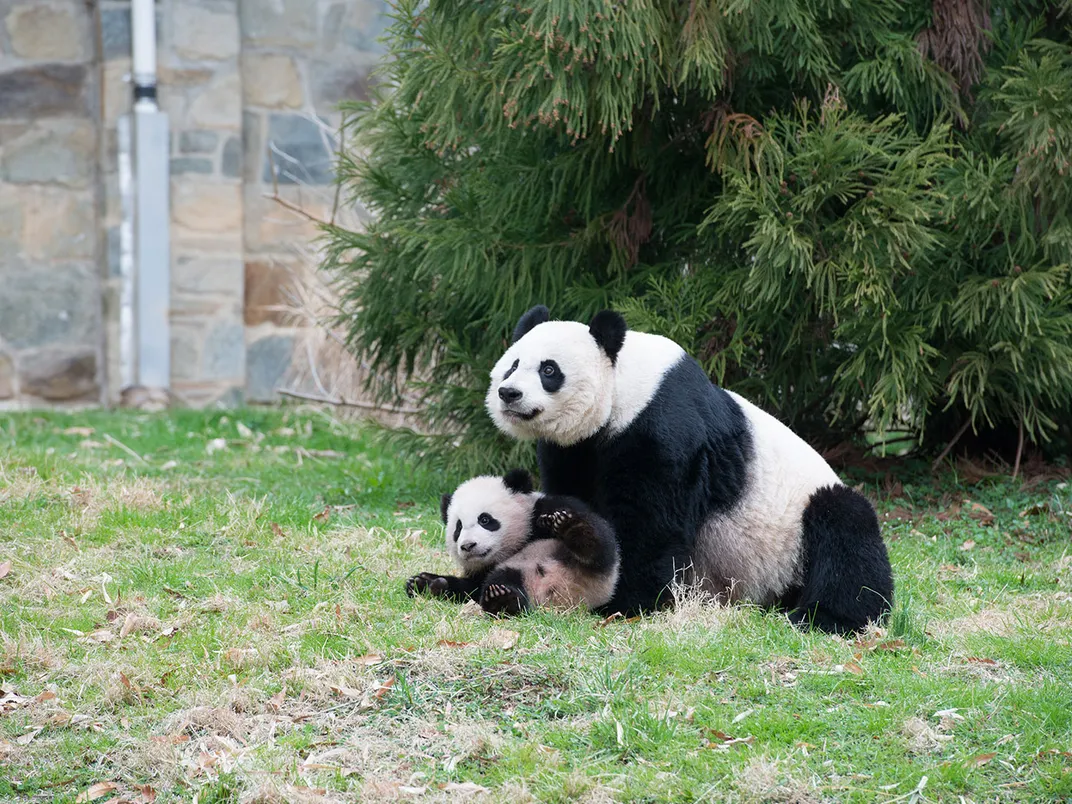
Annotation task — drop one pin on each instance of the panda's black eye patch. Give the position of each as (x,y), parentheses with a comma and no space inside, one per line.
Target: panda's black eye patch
(488,522)
(540,570)
(513,368)
(457,530)
(551,376)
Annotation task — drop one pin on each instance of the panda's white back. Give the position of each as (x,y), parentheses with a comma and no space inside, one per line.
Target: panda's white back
(766,522)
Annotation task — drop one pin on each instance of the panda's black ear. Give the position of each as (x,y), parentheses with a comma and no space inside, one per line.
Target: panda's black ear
(519,481)
(608,328)
(537,315)
(444,504)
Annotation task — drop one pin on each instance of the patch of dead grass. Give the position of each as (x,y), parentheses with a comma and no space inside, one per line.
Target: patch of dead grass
(765,780)
(18,483)
(91,497)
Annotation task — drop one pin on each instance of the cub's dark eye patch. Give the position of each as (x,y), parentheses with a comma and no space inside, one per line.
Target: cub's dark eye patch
(488,522)
(551,376)
(457,530)
(513,368)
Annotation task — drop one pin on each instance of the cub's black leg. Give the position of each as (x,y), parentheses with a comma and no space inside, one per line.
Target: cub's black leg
(588,538)
(847,577)
(449,587)
(504,593)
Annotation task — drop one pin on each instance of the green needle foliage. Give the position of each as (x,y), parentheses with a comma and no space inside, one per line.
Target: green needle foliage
(857,214)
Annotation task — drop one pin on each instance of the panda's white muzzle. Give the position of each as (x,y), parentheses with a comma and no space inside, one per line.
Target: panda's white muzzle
(512,404)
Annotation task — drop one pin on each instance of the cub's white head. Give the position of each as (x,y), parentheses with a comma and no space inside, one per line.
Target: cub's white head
(488,519)
(556,381)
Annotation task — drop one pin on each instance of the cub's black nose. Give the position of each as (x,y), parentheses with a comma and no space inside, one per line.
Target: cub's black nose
(509,394)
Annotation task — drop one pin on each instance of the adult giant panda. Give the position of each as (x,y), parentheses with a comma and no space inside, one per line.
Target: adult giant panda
(699,484)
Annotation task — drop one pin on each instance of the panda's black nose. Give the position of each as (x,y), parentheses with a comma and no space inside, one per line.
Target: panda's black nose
(508,395)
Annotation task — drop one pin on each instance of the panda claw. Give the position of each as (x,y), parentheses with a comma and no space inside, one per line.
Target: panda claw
(502,600)
(426,583)
(556,521)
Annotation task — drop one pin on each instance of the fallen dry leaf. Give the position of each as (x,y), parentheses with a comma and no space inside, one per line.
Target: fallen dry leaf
(464,788)
(46,695)
(723,741)
(215,445)
(502,638)
(95,791)
(981,660)
(277,530)
(5,568)
(980,759)
(969,544)
(850,667)
(148,795)
(29,736)
(377,695)
(347,692)
(980,513)
(84,432)
(324,515)
(369,659)
(170,739)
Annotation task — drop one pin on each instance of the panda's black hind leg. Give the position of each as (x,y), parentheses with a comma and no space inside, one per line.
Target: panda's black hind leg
(847,577)
(504,593)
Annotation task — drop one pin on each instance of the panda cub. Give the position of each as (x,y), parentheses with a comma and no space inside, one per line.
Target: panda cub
(518,548)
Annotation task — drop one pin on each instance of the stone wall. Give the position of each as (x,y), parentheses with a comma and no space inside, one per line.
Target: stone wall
(251,89)
(50,235)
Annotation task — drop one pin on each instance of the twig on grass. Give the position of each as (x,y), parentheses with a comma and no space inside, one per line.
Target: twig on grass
(124,447)
(1019,449)
(951,444)
(345,403)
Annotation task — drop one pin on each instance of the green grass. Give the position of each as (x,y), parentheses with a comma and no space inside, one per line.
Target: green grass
(231,625)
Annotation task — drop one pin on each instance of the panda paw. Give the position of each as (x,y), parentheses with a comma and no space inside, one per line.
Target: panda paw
(426,583)
(503,600)
(557,521)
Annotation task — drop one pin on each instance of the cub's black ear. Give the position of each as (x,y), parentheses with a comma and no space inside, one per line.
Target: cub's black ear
(537,315)
(444,504)
(519,481)
(608,328)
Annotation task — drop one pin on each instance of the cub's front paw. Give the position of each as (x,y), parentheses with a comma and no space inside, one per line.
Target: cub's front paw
(556,521)
(426,583)
(503,600)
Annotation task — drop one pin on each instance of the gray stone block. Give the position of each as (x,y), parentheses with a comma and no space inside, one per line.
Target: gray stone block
(115,32)
(224,353)
(252,146)
(114,250)
(189,164)
(7,376)
(44,32)
(45,90)
(51,152)
(197,141)
(286,23)
(231,165)
(59,375)
(299,153)
(267,362)
(48,304)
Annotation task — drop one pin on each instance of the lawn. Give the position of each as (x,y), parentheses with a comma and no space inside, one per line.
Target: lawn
(209,606)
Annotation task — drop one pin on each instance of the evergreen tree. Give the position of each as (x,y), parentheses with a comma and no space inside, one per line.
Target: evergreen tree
(851,212)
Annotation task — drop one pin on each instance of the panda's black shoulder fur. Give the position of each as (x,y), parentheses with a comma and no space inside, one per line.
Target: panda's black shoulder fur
(696,439)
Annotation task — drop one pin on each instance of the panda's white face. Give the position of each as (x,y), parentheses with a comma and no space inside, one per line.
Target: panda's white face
(487,523)
(555,383)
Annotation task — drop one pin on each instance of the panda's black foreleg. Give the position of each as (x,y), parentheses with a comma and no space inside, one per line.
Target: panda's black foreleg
(449,587)
(847,577)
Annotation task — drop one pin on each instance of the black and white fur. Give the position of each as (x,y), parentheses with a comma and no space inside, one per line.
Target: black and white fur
(517,548)
(699,484)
